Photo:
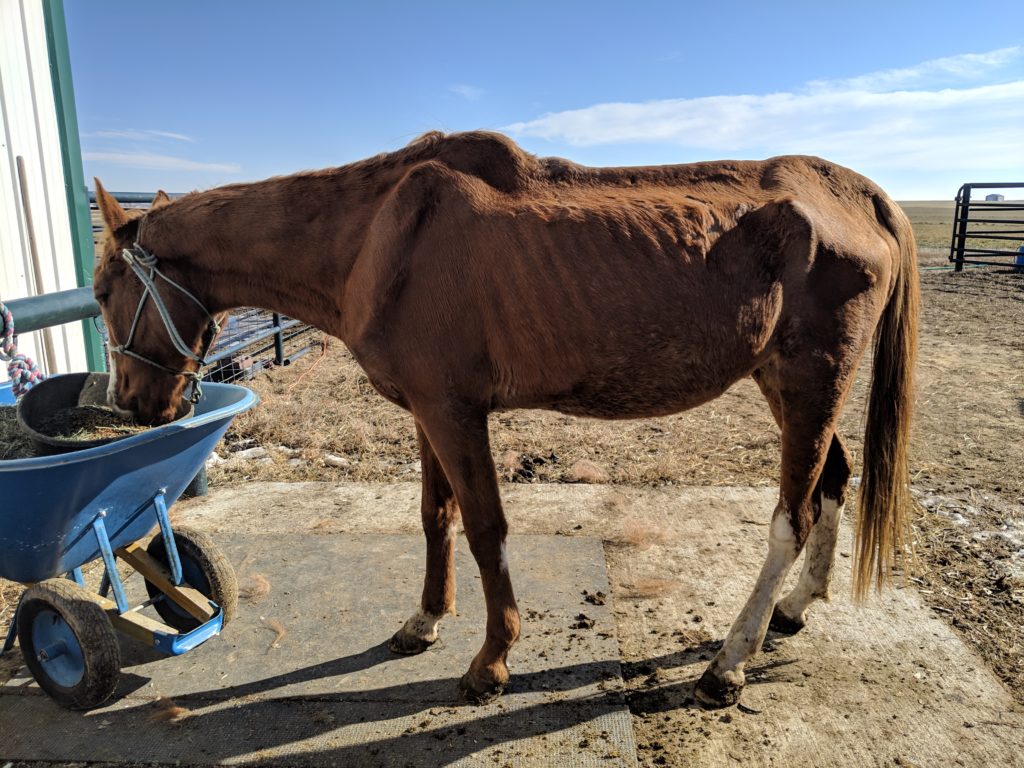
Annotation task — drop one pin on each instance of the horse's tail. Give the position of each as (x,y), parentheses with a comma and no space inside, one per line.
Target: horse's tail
(883,519)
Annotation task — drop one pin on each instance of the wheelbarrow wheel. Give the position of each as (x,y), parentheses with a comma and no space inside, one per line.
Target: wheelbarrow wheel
(68,643)
(203,567)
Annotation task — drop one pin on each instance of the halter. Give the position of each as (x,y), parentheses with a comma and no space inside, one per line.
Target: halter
(143,264)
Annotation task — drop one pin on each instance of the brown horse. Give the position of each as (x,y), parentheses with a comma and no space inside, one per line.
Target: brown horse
(467,276)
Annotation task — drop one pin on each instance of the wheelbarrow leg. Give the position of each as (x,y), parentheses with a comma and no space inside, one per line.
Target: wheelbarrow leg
(12,631)
(160,506)
(108,560)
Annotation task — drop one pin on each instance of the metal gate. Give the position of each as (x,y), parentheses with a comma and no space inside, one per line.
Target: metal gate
(988,231)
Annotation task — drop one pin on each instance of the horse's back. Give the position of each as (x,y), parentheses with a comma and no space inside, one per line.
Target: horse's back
(633,292)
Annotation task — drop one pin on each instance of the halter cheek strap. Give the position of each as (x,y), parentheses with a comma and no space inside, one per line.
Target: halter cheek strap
(143,264)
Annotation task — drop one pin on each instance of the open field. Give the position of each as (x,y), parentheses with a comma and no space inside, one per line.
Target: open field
(933,228)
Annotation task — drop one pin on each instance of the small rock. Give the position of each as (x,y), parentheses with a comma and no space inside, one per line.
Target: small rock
(252,453)
(290,453)
(340,462)
(586,471)
(214,459)
(510,460)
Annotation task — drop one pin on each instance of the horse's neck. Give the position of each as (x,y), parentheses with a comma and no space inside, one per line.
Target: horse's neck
(285,245)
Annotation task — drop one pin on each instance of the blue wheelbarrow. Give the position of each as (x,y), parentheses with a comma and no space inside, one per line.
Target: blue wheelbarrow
(62,511)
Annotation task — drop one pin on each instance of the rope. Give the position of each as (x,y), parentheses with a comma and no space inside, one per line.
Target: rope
(22,369)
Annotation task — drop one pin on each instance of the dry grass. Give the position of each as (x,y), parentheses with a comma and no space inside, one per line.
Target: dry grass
(255,589)
(648,588)
(336,411)
(965,578)
(278,629)
(641,533)
(167,711)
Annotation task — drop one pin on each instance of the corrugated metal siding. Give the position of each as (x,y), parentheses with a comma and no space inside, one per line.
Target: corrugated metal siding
(30,131)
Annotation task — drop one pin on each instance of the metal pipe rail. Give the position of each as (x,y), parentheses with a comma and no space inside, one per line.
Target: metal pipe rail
(38,312)
(1009,229)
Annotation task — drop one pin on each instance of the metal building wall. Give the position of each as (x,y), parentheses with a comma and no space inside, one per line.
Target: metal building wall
(30,131)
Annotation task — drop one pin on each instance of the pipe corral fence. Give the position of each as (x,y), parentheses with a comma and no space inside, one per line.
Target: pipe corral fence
(981,228)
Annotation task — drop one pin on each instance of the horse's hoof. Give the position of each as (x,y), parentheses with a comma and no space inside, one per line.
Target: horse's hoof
(714,693)
(784,625)
(479,691)
(408,645)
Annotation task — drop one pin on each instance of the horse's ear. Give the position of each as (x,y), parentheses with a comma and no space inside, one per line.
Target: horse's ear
(161,199)
(114,215)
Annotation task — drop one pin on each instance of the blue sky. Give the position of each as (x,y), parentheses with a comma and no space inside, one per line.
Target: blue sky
(187,95)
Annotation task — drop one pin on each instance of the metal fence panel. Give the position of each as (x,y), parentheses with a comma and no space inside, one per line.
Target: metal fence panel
(989,231)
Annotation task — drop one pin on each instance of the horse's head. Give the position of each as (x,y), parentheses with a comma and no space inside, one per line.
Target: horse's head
(149,370)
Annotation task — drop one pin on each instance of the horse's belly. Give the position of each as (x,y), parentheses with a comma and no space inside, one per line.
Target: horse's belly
(645,388)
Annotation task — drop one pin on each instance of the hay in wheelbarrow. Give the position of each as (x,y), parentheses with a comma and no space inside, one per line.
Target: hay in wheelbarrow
(87,422)
(14,444)
(69,413)
(75,424)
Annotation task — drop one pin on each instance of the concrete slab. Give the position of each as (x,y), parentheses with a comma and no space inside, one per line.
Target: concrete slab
(327,691)
(888,683)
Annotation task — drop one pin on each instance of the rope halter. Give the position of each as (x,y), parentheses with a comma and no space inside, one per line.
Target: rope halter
(143,264)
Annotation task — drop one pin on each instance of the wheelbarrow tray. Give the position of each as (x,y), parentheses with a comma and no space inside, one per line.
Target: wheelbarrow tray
(48,503)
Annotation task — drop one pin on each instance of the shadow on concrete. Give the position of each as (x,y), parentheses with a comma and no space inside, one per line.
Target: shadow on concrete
(247,718)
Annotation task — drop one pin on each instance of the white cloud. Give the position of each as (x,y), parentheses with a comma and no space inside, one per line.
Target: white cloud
(157,162)
(135,135)
(914,118)
(468,92)
(966,66)
(171,135)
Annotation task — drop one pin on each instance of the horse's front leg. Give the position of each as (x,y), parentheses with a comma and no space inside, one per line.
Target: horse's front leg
(440,513)
(458,435)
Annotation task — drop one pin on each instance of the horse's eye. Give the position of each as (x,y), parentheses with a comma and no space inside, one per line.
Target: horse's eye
(101,298)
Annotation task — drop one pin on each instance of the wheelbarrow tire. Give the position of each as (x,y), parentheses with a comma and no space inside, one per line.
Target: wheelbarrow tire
(84,670)
(204,567)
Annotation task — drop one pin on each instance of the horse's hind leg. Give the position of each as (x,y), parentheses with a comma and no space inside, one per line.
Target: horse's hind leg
(790,614)
(440,513)
(812,387)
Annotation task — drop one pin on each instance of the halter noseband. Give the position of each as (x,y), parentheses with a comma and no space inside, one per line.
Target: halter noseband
(143,264)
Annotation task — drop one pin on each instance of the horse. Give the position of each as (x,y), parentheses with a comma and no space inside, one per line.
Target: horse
(467,276)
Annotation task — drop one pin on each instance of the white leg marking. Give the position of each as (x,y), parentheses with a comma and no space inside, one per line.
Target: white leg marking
(819,558)
(423,625)
(503,561)
(751,625)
